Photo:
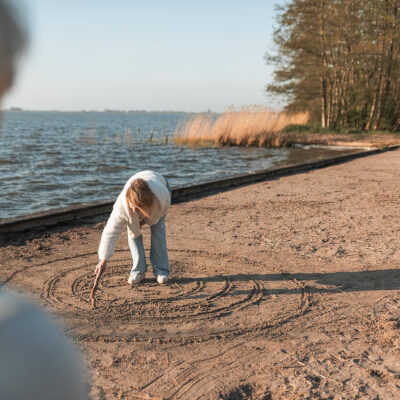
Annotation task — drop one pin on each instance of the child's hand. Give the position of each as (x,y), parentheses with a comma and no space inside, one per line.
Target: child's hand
(100,267)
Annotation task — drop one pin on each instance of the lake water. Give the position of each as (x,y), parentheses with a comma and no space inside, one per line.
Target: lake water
(50,160)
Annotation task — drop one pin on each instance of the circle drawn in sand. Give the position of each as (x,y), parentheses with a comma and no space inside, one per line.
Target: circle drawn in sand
(197,304)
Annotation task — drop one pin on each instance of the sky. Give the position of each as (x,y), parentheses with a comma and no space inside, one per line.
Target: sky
(155,55)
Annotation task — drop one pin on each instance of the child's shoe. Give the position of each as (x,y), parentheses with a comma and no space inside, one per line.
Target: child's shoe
(162,279)
(137,279)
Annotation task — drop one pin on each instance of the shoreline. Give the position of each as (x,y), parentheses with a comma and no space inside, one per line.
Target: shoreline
(371,140)
(286,288)
(179,194)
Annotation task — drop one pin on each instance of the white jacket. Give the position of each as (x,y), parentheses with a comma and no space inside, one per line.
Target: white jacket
(122,215)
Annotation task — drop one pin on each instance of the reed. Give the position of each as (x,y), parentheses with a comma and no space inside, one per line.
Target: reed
(250,126)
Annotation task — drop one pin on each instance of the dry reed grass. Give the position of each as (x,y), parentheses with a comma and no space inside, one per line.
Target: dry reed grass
(251,126)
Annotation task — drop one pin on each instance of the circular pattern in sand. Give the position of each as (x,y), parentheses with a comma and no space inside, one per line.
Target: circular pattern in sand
(207,297)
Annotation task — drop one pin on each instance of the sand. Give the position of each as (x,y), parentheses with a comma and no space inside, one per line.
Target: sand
(286,289)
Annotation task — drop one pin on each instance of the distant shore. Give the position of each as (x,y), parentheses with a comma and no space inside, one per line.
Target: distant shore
(279,139)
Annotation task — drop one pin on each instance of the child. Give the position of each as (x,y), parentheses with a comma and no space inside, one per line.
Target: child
(145,199)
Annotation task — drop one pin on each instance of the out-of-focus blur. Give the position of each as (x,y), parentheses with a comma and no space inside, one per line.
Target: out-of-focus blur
(13,38)
(36,361)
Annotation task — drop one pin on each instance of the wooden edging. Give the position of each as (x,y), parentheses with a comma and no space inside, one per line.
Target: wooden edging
(179,194)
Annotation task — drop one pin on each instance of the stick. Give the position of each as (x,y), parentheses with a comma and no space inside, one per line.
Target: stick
(93,291)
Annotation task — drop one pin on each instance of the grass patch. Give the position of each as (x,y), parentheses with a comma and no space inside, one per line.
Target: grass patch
(294,128)
(250,126)
(256,126)
(297,128)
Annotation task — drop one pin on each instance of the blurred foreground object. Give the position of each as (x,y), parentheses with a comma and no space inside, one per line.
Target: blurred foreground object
(13,39)
(36,362)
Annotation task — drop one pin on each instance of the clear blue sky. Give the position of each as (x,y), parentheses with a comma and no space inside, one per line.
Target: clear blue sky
(189,55)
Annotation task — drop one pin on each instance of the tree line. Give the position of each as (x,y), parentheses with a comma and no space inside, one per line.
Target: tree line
(340,60)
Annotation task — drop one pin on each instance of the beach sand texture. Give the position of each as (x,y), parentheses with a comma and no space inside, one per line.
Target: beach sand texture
(286,289)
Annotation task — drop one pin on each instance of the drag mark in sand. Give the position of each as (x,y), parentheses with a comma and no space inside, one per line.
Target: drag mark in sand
(204,300)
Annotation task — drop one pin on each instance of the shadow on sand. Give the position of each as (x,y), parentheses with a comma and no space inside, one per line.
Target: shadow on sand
(334,282)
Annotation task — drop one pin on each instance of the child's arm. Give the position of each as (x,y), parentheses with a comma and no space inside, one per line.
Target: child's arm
(112,231)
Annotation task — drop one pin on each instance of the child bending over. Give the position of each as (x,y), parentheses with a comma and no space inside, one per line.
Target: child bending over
(145,199)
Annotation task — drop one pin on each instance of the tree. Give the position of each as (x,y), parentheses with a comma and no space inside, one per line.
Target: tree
(340,59)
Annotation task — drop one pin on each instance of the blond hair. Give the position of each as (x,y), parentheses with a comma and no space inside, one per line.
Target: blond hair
(140,196)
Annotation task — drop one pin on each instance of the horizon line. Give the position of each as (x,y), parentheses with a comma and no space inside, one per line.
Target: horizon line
(110,110)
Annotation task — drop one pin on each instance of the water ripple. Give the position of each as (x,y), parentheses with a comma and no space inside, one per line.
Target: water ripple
(50,160)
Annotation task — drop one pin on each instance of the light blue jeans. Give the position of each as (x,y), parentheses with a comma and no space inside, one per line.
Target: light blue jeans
(158,251)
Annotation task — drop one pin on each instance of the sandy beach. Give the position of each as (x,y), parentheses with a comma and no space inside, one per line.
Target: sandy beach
(286,289)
